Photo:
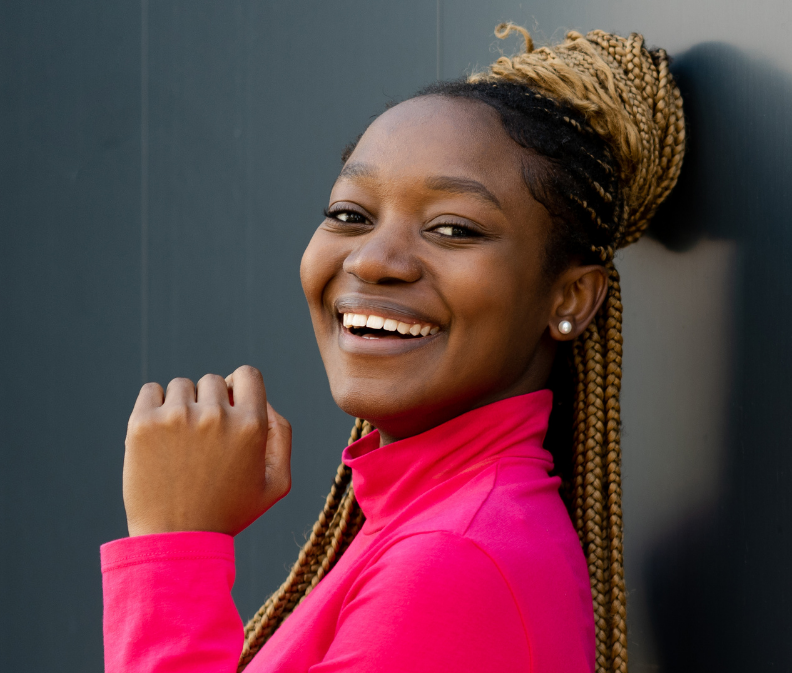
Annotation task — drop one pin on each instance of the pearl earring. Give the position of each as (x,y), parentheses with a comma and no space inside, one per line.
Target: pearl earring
(565,327)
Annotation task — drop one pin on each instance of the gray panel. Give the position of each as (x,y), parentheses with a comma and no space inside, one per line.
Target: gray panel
(246,108)
(70,327)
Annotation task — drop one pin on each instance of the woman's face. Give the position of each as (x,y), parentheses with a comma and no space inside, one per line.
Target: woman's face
(431,230)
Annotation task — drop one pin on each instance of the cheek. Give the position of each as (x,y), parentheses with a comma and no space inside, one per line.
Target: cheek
(320,261)
(496,292)
(500,307)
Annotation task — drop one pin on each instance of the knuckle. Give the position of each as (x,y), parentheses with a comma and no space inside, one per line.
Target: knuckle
(176,416)
(249,370)
(210,416)
(253,425)
(211,378)
(180,381)
(137,427)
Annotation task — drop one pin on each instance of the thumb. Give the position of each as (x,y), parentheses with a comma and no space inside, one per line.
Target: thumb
(278,456)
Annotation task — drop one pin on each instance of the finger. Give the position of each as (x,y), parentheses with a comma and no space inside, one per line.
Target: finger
(150,396)
(247,388)
(278,458)
(212,389)
(180,391)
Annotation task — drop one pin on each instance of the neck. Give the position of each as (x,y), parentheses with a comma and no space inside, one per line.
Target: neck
(416,421)
(419,421)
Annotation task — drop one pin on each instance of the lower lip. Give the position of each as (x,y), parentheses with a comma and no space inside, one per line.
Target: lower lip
(351,343)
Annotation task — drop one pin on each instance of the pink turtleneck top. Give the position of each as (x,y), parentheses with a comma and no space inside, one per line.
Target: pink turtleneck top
(467,562)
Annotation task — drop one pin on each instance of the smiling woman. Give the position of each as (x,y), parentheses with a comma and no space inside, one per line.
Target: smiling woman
(464,299)
(419,234)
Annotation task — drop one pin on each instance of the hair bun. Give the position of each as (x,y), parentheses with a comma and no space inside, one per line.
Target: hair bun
(629,98)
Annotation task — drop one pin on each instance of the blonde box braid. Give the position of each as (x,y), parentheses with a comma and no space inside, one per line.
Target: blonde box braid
(608,90)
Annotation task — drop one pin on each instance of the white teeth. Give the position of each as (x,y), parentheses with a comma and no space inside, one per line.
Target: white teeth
(375,322)
(389,324)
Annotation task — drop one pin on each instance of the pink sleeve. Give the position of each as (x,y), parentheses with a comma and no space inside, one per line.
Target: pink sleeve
(168,605)
(432,602)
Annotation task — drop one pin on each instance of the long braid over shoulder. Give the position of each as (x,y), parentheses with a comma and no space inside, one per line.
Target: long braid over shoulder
(338,523)
(600,118)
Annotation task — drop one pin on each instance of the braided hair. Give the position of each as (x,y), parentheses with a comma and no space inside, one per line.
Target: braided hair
(601,122)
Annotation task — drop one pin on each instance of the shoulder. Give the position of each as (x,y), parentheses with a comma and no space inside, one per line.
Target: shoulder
(443,556)
(524,520)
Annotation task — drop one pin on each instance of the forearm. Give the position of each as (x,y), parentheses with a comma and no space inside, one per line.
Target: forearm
(168,605)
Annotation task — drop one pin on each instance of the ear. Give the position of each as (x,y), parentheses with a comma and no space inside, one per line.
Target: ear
(579,292)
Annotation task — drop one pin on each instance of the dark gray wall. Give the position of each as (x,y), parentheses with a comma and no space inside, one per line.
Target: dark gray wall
(162,166)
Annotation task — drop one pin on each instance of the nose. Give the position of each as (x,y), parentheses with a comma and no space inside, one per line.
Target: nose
(385,255)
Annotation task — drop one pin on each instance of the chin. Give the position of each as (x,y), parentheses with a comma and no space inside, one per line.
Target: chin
(376,401)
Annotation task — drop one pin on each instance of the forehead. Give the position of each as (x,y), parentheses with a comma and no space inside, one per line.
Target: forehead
(439,134)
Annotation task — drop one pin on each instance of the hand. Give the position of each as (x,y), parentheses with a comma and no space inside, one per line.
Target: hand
(213,457)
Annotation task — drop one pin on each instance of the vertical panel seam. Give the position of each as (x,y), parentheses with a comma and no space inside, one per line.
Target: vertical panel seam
(437,40)
(144,188)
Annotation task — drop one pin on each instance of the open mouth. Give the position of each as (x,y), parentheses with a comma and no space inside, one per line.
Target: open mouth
(378,327)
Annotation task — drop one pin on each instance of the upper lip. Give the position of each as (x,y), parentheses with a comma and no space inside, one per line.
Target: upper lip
(385,308)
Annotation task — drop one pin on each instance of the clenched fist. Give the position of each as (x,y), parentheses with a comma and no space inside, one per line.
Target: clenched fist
(211,457)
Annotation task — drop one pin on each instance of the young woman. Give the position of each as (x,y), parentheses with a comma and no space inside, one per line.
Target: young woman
(461,288)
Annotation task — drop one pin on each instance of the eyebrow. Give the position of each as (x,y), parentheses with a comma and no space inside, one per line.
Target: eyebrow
(357,169)
(462,186)
(440,183)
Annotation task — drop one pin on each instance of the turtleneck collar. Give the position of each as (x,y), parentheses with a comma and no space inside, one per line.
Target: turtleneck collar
(389,478)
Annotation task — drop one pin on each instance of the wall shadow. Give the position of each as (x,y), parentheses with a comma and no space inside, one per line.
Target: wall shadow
(719,585)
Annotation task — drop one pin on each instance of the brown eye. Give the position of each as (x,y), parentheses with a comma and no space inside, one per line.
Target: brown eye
(348,216)
(454,231)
